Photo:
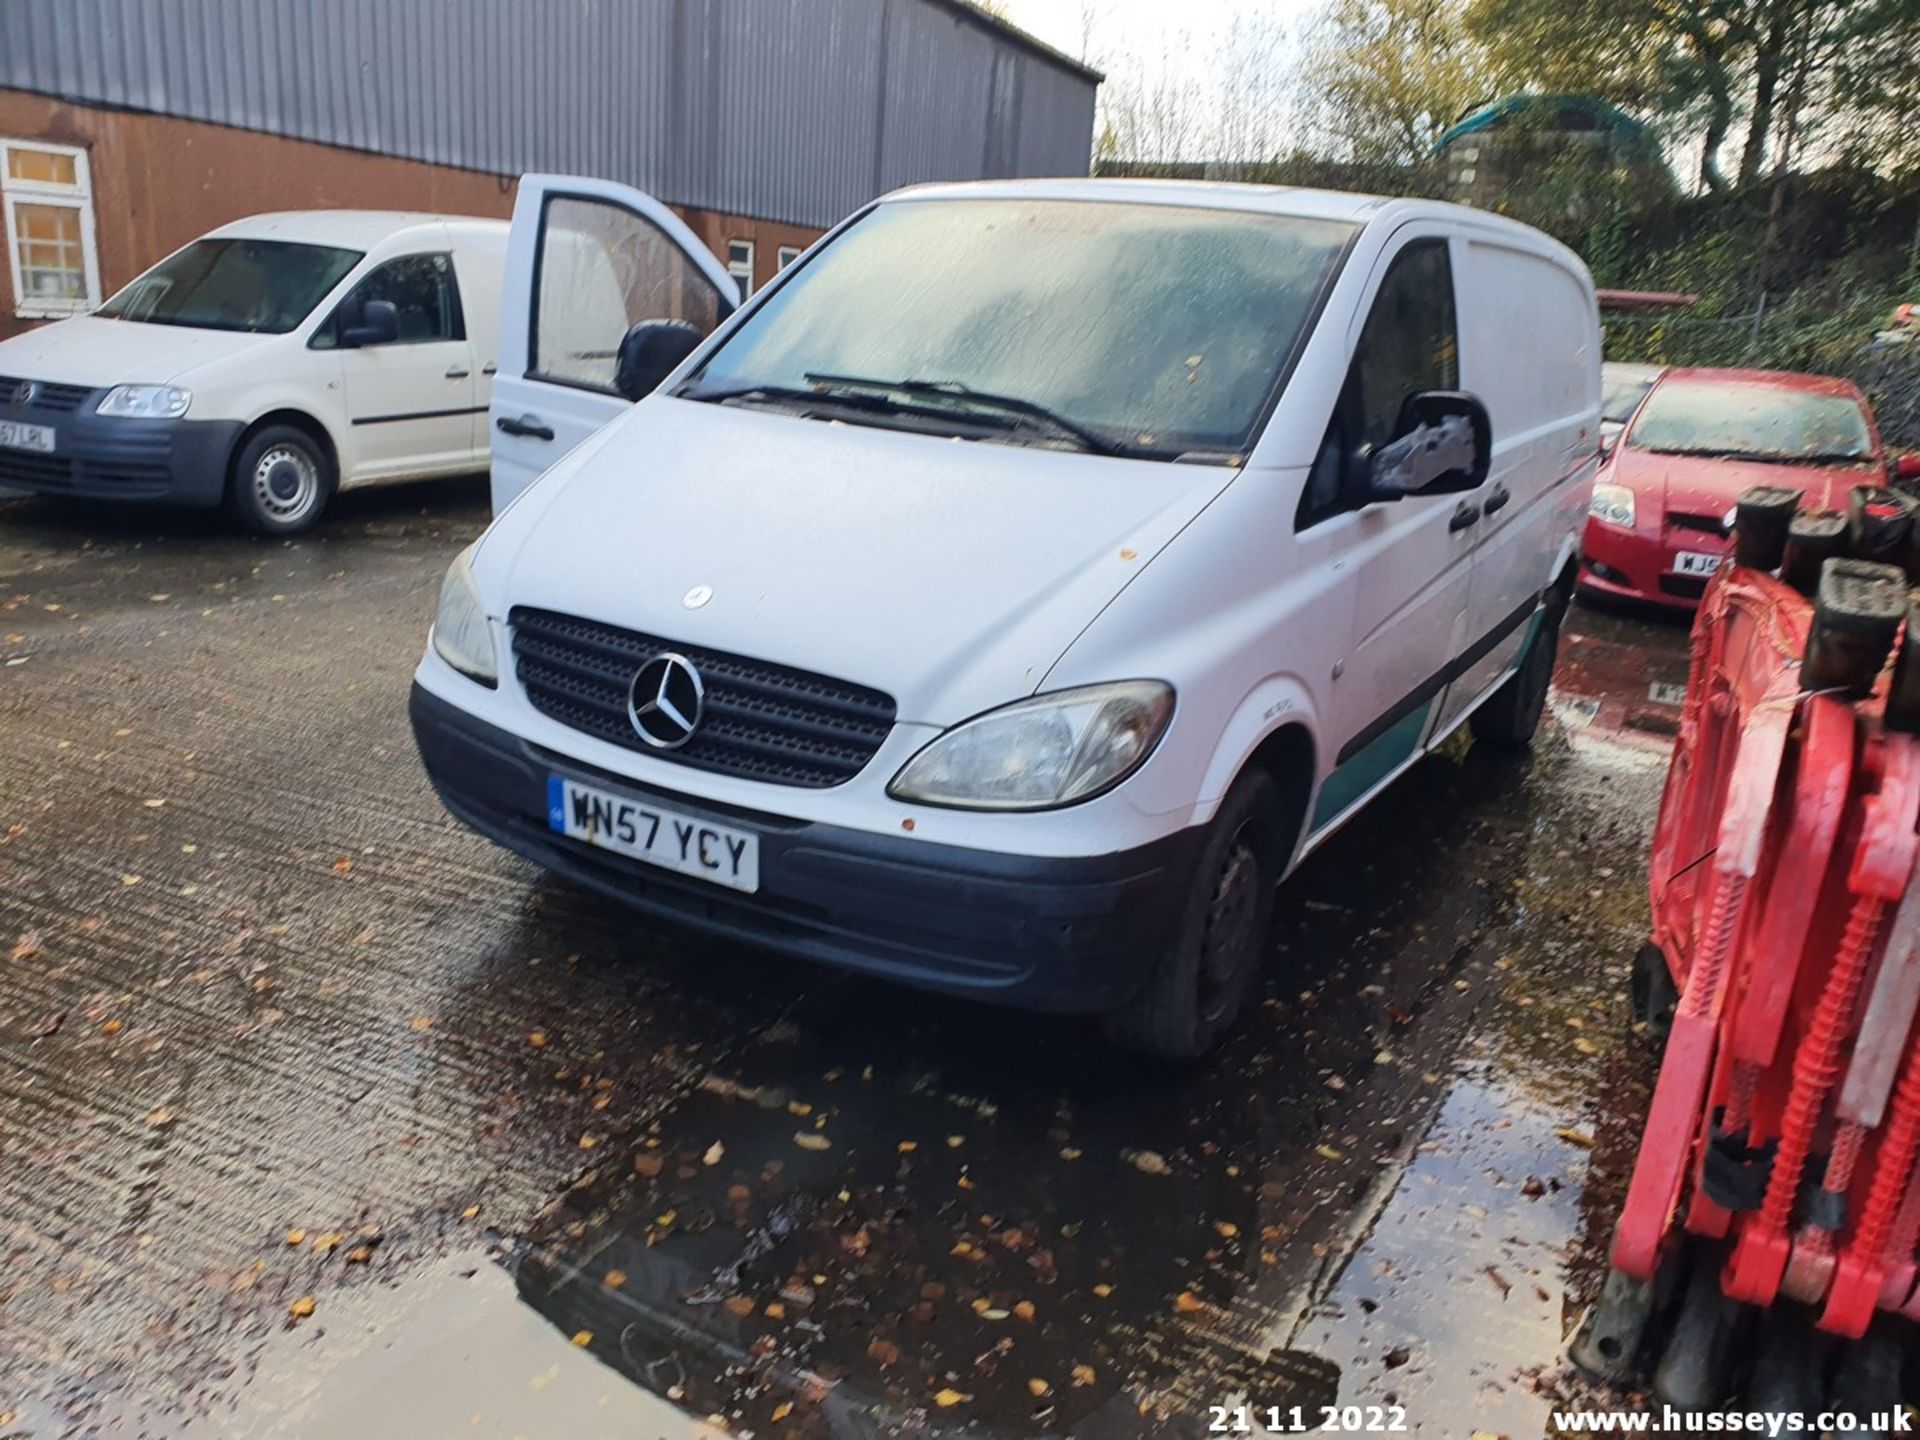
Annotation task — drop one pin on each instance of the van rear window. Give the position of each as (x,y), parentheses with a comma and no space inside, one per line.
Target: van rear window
(266,286)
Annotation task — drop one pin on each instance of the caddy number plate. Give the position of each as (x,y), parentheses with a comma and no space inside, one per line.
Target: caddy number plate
(17,435)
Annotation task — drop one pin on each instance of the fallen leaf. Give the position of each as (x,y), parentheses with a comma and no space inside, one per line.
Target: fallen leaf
(1326,1152)
(1148,1162)
(296,1237)
(648,1165)
(907,1147)
(49,1026)
(1039,1389)
(947,1399)
(165,1115)
(343,865)
(537,1039)
(954,1142)
(1188,1303)
(469,1212)
(739,1305)
(1103,1290)
(301,1308)
(1083,1375)
(1024,1309)
(421,1022)
(614,1279)
(27,946)
(326,1244)
(583,1338)
(883,1352)
(111,1027)
(782,1410)
(359,1255)
(1226,1230)
(812,1140)
(1580,1138)
(714,1152)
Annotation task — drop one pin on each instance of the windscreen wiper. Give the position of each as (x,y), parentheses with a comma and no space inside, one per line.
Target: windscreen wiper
(966,397)
(811,395)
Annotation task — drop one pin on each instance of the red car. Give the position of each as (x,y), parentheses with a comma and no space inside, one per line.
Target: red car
(1663,501)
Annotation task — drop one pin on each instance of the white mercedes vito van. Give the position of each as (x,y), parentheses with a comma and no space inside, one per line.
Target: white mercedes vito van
(1011,593)
(265,365)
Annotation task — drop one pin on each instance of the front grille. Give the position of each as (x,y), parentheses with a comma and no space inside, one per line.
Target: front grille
(761,721)
(1707,524)
(26,467)
(1686,587)
(46,396)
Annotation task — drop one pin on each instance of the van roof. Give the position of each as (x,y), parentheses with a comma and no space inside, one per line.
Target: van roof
(1291,200)
(352,229)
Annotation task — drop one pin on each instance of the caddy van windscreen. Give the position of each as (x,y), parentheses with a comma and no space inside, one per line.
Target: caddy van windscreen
(1752,422)
(1150,330)
(266,286)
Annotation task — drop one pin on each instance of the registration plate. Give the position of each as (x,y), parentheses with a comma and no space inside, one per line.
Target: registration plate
(654,834)
(15,435)
(1692,562)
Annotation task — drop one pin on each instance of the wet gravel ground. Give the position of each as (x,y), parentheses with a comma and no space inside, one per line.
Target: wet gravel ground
(273,1028)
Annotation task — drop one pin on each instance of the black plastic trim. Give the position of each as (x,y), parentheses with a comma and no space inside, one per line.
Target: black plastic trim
(1439,680)
(419,415)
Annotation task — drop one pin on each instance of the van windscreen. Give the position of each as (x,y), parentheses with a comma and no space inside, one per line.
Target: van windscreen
(266,286)
(1144,329)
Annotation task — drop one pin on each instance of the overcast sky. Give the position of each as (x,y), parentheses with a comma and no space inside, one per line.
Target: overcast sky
(1149,44)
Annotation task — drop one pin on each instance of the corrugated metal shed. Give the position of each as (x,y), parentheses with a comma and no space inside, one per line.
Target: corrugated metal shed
(795,110)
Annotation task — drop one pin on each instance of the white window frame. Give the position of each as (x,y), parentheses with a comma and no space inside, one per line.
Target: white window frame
(78,196)
(741,269)
(786,255)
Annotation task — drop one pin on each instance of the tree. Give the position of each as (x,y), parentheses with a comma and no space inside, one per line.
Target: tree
(1384,79)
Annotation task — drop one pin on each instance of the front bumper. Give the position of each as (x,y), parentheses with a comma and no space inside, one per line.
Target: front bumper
(110,458)
(1066,935)
(1633,565)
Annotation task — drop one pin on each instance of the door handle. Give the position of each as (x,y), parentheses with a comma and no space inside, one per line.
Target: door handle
(458,372)
(1497,501)
(531,426)
(1464,514)
(489,368)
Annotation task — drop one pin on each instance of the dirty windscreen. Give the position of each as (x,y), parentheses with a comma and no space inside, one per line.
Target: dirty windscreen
(1753,421)
(265,286)
(1161,329)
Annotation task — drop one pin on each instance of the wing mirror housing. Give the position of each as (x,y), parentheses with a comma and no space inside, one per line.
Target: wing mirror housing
(1443,445)
(379,324)
(649,352)
(1907,467)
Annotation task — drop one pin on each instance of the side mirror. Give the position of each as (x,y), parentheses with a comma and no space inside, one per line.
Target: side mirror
(649,352)
(379,324)
(1907,467)
(1443,445)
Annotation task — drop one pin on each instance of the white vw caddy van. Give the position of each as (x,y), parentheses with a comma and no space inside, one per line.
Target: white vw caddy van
(265,365)
(1012,592)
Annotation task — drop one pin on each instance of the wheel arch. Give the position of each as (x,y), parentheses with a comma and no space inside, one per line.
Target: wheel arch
(298,419)
(1288,756)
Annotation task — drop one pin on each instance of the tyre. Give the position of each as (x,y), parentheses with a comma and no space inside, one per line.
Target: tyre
(1198,986)
(281,482)
(1512,713)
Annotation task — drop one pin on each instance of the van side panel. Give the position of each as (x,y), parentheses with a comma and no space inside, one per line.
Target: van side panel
(1530,349)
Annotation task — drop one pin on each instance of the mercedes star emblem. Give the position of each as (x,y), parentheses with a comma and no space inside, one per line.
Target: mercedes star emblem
(665,700)
(25,391)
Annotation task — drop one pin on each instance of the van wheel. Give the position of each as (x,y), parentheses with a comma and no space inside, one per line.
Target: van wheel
(281,482)
(1512,713)
(1197,987)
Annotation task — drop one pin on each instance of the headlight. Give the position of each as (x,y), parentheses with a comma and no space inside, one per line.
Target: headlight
(460,633)
(1037,754)
(145,402)
(1612,505)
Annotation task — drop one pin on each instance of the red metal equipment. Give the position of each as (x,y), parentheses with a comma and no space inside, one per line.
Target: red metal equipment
(1781,1142)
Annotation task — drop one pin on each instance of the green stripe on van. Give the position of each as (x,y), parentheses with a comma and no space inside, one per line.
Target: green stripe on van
(1371,765)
